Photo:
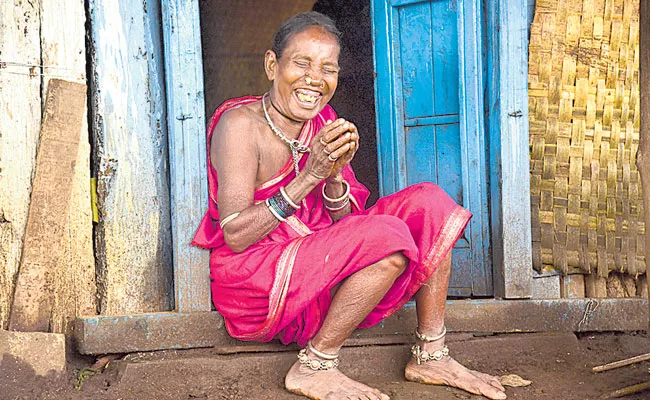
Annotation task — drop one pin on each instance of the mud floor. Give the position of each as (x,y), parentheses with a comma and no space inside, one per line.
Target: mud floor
(559,365)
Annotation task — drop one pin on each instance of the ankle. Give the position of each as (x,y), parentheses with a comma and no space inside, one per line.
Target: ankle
(317,360)
(323,350)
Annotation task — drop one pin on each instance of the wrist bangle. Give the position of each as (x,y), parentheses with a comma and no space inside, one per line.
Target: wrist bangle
(343,204)
(286,197)
(342,198)
(274,210)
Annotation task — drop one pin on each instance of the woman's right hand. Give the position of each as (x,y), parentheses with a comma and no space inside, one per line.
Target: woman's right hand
(333,141)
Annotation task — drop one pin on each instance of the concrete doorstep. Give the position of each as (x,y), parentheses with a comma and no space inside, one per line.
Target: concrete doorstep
(42,352)
(261,375)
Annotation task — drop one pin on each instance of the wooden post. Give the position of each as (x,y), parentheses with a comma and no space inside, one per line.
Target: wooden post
(127,93)
(643,157)
(187,151)
(508,109)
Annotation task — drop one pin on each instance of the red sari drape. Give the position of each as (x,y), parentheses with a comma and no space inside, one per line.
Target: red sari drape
(280,286)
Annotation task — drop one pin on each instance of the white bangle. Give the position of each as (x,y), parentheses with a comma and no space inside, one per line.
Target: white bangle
(338,207)
(342,198)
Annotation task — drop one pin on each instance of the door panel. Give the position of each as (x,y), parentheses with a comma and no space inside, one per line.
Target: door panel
(425,76)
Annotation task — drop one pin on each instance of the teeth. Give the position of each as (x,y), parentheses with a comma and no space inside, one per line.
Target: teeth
(306,97)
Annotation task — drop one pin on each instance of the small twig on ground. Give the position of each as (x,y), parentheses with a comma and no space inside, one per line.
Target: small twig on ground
(629,390)
(621,363)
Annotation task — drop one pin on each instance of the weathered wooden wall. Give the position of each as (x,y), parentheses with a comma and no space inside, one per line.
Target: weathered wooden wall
(20,119)
(133,236)
(38,41)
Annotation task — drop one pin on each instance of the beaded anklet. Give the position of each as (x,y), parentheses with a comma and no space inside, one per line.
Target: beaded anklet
(421,355)
(329,361)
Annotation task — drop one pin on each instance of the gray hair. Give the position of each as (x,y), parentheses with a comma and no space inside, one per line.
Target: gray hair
(301,22)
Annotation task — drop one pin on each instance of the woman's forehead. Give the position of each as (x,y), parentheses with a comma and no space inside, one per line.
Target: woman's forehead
(312,35)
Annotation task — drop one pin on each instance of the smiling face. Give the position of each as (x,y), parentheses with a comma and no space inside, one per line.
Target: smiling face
(306,76)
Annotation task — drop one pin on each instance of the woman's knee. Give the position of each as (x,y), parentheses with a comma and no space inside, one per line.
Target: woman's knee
(393,265)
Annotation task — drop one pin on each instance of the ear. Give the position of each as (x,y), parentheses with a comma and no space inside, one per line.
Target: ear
(270,64)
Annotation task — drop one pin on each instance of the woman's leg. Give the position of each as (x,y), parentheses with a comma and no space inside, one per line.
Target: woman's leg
(430,303)
(355,298)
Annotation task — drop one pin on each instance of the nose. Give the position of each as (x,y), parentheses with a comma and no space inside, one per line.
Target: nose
(314,78)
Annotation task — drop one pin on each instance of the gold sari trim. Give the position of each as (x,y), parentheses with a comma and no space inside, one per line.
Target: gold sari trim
(297,225)
(455,222)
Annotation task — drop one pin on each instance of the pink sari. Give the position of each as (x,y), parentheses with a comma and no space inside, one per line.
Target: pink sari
(280,286)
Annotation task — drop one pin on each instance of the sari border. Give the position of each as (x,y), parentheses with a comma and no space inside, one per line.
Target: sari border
(278,294)
(297,225)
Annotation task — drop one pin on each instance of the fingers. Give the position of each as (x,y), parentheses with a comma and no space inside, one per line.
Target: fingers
(333,130)
(340,151)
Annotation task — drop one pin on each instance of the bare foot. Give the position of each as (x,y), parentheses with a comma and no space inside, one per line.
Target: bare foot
(328,385)
(449,372)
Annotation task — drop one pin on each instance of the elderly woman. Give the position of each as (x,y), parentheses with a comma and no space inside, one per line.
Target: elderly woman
(294,253)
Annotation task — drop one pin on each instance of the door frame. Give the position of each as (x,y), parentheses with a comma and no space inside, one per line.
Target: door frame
(506,123)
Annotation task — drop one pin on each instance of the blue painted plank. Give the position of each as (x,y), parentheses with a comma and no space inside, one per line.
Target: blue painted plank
(421,165)
(187,150)
(450,166)
(415,63)
(435,120)
(385,102)
(507,94)
(473,138)
(445,57)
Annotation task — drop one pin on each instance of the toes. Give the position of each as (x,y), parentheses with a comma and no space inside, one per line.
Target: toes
(490,379)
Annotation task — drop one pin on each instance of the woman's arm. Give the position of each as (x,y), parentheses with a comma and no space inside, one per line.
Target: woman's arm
(234,154)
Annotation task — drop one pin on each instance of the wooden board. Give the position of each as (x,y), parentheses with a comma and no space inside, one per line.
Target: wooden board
(63,47)
(20,121)
(50,201)
(133,236)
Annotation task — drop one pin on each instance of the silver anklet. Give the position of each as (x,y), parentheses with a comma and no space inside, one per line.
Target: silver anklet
(320,354)
(426,338)
(317,365)
(422,356)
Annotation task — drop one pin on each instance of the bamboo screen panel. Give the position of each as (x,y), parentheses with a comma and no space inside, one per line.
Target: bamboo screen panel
(584,134)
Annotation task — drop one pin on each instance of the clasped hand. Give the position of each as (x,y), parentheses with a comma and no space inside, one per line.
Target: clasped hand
(332,148)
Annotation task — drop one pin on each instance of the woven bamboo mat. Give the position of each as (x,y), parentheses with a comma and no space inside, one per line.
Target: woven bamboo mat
(584,134)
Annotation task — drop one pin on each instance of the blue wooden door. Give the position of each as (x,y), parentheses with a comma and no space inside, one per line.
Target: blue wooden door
(429,90)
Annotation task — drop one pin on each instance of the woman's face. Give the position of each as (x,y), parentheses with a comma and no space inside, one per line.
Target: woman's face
(305,78)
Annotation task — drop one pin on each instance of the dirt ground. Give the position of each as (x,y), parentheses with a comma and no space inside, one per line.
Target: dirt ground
(558,364)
